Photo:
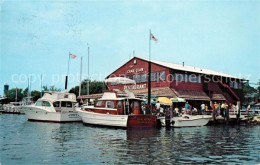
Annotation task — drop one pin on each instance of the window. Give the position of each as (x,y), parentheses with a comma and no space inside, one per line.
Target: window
(143,77)
(240,86)
(119,105)
(231,84)
(69,104)
(137,78)
(63,104)
(38,103)
(130,77)
(99,104)
(179,77)
(136,105)
(162,75)
(194,78)
(56,104)
(46,103)
(235,85)
(110,104)
(153,76)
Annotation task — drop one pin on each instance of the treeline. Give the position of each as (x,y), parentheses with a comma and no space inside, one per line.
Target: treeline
(17,94)
(94,87)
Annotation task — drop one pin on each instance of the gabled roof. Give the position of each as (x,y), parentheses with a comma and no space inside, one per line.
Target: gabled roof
(190,69)
(184,68)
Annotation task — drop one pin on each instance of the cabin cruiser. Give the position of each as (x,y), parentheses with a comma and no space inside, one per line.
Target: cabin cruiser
(115,111)
(53,107)
(187,120)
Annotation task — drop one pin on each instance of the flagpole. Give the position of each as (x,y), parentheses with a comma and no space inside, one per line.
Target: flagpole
(149,74)
(66,80)
(80,76)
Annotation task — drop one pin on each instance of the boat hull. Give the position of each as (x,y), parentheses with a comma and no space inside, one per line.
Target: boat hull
(187,121)
(124,121)
(191,121)
(103,119)
(41,115)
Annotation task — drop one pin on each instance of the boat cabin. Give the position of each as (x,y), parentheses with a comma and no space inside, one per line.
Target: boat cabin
(111,104)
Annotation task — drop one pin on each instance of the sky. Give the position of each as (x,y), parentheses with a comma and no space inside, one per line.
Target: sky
(37,37)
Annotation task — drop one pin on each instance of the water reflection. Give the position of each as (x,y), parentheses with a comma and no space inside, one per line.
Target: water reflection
(73,143)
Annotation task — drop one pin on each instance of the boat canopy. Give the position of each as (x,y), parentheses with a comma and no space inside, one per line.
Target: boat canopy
(59,96)
(120,80)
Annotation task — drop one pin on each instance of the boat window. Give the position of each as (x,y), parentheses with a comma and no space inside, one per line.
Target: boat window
(38,103)
(99,104)
(69,104)
(110,104)
(63,104)
(136,105)
(56,104)
(46,103)
(119,105)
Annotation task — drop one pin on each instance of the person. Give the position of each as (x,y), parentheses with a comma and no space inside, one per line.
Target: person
(216,108)
(144,108)
(248,109)
(194,110)
(202,107)
(158,105)
(222,109)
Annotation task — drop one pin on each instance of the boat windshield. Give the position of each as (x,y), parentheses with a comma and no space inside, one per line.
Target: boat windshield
(43,103)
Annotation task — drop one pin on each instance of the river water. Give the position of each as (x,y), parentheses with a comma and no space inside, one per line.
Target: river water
(24,142)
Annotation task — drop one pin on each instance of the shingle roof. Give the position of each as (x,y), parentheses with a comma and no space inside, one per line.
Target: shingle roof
(190,68)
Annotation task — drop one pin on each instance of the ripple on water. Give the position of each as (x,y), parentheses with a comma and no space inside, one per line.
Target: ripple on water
(74,143)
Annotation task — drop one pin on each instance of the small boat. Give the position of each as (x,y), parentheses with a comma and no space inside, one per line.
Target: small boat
(187,121)
(115,111)
(53,107)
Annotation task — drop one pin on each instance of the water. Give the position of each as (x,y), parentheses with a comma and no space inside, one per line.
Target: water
(23,142)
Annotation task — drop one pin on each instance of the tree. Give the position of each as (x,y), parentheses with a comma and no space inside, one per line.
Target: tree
(11,94)
(94,87)
(248,89)
(35,95)
(51,88)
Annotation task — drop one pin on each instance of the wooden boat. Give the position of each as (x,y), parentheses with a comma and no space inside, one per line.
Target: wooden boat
(115,111)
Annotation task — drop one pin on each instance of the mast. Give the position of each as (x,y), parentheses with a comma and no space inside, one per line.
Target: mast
(66,79)
(88,74)
(80,76)
(149,74)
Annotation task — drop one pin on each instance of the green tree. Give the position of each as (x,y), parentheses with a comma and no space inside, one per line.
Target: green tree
(51,89)
(94,87)
(35,95)
(11,94)
(248,89)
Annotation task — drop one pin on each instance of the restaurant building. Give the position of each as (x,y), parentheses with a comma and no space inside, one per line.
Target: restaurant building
(196,85)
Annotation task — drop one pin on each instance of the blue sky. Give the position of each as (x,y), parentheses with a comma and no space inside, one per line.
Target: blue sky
(36,37)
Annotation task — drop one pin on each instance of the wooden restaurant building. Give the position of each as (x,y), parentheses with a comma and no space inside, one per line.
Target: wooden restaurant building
(196,85)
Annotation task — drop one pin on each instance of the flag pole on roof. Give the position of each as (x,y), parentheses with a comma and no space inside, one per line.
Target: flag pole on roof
(151,37)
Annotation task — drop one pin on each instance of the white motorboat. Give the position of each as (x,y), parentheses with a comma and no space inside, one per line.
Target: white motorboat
(115,111)
(187,121)
(53,107)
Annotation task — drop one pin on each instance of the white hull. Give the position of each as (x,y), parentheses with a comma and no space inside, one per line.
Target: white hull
(188,121)
(41,115)
(103,119)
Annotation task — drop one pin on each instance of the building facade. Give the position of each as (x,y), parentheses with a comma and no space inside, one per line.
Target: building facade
(170,80)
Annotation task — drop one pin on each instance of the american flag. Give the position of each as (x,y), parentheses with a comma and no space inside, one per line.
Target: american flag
(73,56)
(153,38)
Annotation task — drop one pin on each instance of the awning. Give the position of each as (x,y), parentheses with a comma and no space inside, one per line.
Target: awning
(191,94)
(92,96)
(160,92)
(219,97)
